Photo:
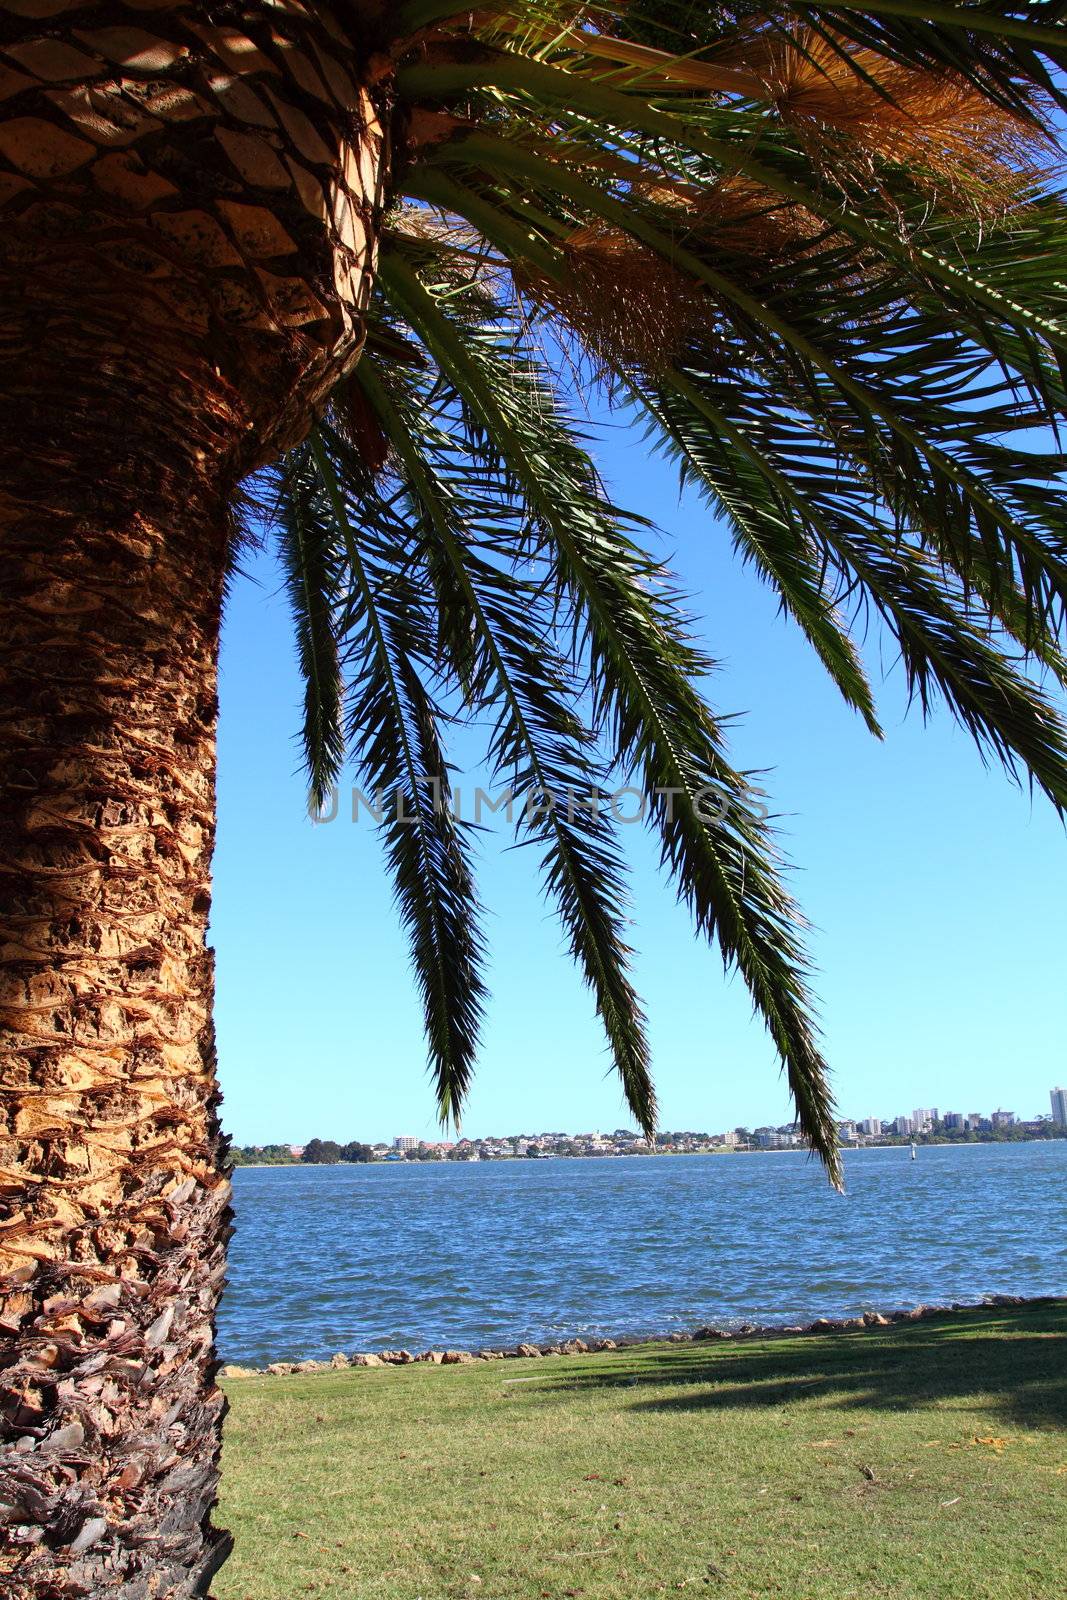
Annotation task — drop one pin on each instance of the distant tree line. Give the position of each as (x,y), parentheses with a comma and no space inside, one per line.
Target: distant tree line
(327,1152)
(317,1153)
(263,1155)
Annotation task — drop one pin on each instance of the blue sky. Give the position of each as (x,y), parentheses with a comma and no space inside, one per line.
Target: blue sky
(935,888)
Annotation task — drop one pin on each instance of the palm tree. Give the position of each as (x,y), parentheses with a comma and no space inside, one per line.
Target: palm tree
(376,253)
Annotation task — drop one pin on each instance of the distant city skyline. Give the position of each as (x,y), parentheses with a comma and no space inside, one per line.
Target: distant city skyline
(920,1120)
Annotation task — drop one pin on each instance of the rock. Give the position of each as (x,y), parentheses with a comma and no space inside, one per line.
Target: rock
(92,1531)
(875,1319)
(396,1358)
(104,1299)
(490,1355)
(527,1350)
(434,1357)
(573,1347)
(793,1327)
(681,1338)
(746,1330)
(70,1437)
(851,1322)
(311,1366)
(338,1360)
(710,1333)
(823,1325)
(604,1344)
(232,1371)
(281,1369)
(365,1360)
(457,1358)
(405,1358)
(1006,1300)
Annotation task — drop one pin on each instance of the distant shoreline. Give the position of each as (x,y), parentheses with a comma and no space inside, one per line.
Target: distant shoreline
(646,1155)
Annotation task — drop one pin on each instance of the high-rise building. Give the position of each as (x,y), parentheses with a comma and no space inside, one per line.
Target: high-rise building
(405,1142)
(871,1126)
(1059,1107)
(905,1126)
(1003,1119)
(954,1119)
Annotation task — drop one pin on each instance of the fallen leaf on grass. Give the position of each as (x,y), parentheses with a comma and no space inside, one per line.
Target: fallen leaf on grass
(992,1440)
(954,1501)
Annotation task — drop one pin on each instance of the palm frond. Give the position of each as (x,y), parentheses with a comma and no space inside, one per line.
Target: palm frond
(308,550)
(642,672)
(537,742)
(393,733)
(819,248)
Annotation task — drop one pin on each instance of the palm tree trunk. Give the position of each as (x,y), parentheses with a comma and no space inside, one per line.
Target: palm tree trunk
(114,1199)
(188,215)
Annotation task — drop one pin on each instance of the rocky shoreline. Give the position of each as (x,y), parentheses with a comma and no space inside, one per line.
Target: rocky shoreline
(578,1347)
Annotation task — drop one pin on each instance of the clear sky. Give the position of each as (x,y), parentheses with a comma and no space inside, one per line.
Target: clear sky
(936,890)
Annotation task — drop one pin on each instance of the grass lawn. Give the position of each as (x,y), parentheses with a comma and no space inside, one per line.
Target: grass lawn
(926,1459)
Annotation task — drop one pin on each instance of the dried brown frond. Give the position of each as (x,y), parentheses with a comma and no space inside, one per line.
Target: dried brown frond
(439,227)
(359,426)
(746,220)
(629,307)
(455,243)
(957,141)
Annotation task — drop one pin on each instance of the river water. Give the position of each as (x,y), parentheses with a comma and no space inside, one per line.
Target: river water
(464,1254)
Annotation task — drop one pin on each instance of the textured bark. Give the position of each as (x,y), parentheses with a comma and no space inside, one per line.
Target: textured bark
(189,198)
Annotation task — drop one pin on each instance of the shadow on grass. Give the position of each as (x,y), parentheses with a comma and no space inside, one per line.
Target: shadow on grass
(1013,1363)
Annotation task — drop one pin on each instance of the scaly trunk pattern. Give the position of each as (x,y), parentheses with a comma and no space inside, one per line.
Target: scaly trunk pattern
(189,198)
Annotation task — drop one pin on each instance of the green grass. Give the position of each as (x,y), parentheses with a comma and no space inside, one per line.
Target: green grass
(927,1459)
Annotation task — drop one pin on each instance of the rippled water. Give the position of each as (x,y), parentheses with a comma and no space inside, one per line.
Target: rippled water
(465,1254)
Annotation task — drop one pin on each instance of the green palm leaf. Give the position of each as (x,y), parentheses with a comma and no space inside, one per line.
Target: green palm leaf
(819,249)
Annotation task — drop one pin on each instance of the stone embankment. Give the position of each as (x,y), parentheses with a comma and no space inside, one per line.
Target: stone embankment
(579,1347)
